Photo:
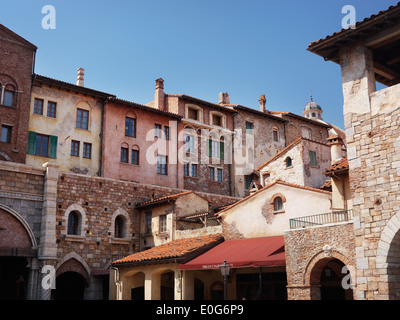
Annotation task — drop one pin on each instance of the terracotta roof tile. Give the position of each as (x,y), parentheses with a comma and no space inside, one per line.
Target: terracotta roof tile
(180,249)
(340,165)
(162,199)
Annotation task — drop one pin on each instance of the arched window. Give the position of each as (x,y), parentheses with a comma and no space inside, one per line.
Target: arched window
(119,226)
(73,223)
(278,204)
(288,162)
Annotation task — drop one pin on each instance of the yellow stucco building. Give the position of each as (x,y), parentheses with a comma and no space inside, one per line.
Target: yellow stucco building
(65,125)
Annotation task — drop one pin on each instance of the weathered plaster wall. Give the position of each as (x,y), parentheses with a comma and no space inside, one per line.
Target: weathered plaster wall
(255,217)
(64,127)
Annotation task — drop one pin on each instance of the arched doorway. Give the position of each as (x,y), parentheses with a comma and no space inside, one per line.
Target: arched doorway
(69,286)
(326,281)
(17,243)
(198,289)
(217,291)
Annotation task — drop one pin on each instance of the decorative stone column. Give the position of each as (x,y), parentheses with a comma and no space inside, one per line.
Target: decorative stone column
(47,251)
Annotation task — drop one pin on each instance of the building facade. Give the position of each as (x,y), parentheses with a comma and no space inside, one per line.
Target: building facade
(17,57)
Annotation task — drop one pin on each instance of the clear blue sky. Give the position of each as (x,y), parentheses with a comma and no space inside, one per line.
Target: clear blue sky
(199,47)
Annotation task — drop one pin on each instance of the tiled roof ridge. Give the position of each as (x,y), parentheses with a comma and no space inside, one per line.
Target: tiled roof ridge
(179,248)
(172,196)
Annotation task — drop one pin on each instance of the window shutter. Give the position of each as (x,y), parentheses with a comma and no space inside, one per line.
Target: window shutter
(31,142)
(209,147)
(221,150)
(53,147)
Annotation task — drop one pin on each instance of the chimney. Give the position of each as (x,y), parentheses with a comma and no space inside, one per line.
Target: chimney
(262,102)
(336,144)
(223,98)
(159,97)
(79,78)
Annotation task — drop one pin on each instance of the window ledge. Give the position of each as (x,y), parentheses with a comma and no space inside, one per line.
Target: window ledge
(279,211)
(120,240)
(74,238)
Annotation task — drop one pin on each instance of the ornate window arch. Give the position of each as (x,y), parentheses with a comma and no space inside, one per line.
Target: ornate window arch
(277,203)
(120,225)
(75,220)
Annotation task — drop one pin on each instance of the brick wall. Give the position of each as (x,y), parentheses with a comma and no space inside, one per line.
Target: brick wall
(100,198)
(16,61)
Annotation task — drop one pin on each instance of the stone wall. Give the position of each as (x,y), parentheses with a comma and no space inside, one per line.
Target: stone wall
(308,250)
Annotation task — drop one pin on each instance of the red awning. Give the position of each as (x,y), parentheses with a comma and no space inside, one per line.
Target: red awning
(257,252)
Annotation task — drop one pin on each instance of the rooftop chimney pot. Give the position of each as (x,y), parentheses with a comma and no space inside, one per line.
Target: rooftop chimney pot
(262,102)
(80,77)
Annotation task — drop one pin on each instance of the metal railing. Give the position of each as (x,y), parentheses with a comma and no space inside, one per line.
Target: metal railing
(321,219)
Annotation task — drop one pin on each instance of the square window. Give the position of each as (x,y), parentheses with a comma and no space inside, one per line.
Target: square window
(38,106)
(75,148)
(6,134)
(193,114)
(42,145)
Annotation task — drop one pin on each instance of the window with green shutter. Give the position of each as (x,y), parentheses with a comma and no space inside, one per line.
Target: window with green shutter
(313,158)
(42,145)
(31,142)
(221,150)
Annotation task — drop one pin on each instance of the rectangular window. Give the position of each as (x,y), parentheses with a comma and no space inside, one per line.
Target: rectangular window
(216,149)
(163,223)
(38,106)
(130,127)
(82,119)
(8,98)
(249,127)
(75,148)
(194,170)
(87,150)
(211,173)
(157,131)
(124,155)
(51,109)
(148,217)
(189,144)
(135,157)
(275,135)
(166,132)
(193,114)
(216,120)
(219,175)
(162,165)
(6,134)
(313,158)
(42,145)
(186,169)
(248,181)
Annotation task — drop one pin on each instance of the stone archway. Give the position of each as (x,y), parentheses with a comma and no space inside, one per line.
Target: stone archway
(324,274)
(388,259)
(17,247)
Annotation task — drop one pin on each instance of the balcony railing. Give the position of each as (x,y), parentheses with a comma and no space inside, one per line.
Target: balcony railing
(321,219)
